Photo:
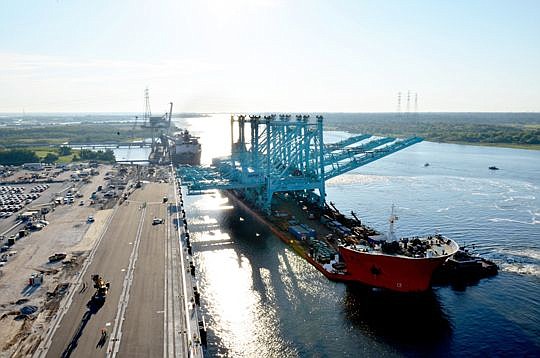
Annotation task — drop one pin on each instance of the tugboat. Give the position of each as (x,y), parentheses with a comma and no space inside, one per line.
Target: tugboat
(464,267)
(404,265)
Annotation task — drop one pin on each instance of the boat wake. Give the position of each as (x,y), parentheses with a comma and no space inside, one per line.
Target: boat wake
(347,179)
(532,222)
(522,269)
(520,261)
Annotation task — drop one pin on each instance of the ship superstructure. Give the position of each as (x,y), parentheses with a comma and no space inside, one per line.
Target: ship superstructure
(180,148)
(185,149)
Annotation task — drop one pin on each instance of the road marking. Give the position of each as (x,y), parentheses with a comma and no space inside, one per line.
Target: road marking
(172,315)
(116,335)
(17,223)
(166,339)
(66,302)
(179,320)
(192,352)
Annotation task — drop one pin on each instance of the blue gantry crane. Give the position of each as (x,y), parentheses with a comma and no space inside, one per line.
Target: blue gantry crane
(271,154)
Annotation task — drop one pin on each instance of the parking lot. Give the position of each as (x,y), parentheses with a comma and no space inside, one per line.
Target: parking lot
(14,198)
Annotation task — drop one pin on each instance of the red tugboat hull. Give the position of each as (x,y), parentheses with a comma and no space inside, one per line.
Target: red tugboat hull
(396,273)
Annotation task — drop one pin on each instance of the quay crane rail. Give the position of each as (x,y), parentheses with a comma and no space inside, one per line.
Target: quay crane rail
(271,154)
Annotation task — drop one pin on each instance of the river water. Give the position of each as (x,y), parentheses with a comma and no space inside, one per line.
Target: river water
(261,299)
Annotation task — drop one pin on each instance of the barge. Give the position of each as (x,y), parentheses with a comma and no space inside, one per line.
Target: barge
(343,249)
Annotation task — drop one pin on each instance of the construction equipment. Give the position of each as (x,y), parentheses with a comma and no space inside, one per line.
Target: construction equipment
(57,257)
(102,288)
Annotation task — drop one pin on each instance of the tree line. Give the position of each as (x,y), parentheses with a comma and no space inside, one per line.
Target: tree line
(443,131)
(78,133)
(21,156)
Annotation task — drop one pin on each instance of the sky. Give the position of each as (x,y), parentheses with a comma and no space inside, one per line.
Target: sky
(269,55)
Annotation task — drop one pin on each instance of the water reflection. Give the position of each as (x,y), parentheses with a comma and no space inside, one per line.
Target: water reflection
(235,272)
(410,321)
(254,286)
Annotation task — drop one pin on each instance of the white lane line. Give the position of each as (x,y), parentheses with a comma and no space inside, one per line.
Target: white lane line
(176,294)
(165,298)
(190,346)
(170,273)
(166,303)
(17,223)
(116,335)
(65,304)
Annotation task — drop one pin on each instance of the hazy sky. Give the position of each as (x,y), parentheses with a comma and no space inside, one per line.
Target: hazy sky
(269,55)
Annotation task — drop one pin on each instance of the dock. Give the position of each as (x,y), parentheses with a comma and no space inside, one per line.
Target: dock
(151,309)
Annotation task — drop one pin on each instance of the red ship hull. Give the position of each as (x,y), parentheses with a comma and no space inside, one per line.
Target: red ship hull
(395,273)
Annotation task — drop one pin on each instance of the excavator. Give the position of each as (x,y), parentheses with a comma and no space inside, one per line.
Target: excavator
(102,288)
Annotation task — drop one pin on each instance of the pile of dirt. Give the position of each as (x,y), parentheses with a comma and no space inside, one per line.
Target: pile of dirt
(24,331)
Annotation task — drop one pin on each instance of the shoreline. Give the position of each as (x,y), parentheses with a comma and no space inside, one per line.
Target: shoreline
(534,147)
(496,145)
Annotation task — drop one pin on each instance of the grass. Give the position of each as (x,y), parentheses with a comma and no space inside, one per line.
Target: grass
(42,152)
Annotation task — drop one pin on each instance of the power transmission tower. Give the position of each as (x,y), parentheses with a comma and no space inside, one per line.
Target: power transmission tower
(147,111)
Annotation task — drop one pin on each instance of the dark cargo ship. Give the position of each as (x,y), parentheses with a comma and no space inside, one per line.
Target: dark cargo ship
(185,149)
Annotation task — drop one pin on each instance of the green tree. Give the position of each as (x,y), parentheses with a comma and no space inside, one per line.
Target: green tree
(104,156)
(64,150)
(17,157)
(50,158)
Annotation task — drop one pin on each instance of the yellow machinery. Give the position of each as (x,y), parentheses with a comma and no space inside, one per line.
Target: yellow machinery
(102,287)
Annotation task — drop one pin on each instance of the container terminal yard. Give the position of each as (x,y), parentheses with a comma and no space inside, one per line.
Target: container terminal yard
(100,262)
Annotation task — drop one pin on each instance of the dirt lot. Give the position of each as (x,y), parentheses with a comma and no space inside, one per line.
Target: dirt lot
(68,232)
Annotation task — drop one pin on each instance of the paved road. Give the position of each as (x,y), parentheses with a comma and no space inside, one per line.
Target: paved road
(142,315)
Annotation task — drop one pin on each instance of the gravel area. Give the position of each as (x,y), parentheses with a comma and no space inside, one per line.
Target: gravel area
(69,232)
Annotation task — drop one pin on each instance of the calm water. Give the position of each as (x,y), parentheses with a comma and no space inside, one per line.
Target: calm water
(261,299)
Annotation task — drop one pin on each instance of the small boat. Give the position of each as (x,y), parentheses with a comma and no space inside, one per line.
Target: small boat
(493,168)
(464,266)
(426,165)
